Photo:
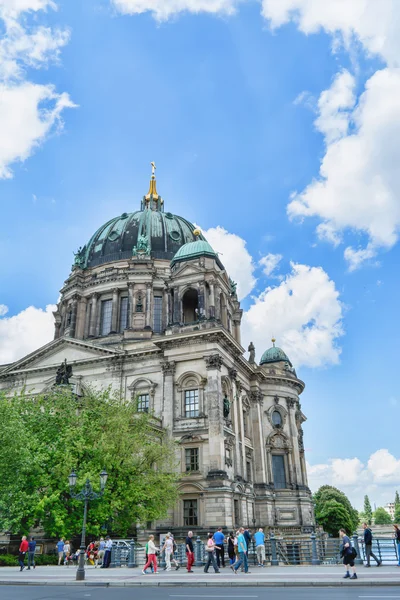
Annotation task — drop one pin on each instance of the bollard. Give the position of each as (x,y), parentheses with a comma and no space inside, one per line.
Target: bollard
(118,556)
(358,560)
(132,555)
(274,557)
(112,561)
(197,553)
(314,552)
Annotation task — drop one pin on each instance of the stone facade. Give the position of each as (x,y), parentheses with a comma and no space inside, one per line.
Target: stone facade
(170,336)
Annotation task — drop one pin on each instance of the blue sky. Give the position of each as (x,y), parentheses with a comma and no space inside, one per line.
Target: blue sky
(230,105)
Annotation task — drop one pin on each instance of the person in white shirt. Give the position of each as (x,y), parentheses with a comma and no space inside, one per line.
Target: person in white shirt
(107,553)
(168,548)
(152,558)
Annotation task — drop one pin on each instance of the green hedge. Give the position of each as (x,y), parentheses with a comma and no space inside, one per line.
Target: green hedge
(11,560)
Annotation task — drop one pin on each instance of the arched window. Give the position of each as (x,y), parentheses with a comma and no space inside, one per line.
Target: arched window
(276,418)
(190,306)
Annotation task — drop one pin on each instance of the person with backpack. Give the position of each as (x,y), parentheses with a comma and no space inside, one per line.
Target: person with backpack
(348,553)
(397,538)
(210,549)
(31,553)
(231,548)
(368,546)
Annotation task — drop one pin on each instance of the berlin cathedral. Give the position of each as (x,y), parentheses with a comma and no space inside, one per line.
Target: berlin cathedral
(150,310)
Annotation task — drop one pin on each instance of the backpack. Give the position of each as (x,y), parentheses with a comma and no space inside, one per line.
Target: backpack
(353,553)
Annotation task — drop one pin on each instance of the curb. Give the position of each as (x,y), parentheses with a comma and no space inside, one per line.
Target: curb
(247,583)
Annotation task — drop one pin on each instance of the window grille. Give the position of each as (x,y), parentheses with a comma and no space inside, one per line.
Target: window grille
(192,459)
(143,403)
(157,320)
(278,470)
(190,515)
(123,313)
(191,403)
(106,313)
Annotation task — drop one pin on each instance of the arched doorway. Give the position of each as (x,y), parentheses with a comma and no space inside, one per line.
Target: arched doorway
(190,306)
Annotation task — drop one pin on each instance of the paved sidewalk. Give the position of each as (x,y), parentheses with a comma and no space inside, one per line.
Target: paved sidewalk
(320,576)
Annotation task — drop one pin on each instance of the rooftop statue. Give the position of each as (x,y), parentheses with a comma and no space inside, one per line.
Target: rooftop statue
(64,372)
(252,353)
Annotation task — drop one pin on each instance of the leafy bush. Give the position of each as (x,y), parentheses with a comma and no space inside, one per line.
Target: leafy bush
(11,560)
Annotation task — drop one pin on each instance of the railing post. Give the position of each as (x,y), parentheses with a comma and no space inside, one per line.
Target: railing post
(163,564)
(112,560)
(132,555)
(118,556)
(274,557)
(198,558)
(314,553)
(254,551)
(181,554)
(358,560)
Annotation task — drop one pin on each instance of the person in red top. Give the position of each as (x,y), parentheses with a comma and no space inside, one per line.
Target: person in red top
(23,549)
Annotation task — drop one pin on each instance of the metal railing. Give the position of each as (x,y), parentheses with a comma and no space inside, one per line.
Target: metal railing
(312,550)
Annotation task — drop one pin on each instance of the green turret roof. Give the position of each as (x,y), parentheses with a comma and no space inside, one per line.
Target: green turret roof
(193,250)
(273,355)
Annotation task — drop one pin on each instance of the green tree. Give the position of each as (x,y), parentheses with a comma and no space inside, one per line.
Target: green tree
(325,494)
(44,438)
(382,517)
(332,516)
(367,510)
(396,498)
(397,514)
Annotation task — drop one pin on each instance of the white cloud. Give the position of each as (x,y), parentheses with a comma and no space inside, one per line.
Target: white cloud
(235,258)
(163,9)
(25,332)
(373,24)
(270,263)
(378,478)
(29,112)
(304,313)
(358,188)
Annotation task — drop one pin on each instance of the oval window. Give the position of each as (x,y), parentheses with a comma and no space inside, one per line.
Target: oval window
(277,418)
(175,235)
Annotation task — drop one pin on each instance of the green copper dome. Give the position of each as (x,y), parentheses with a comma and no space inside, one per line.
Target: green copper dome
(273,355)
(194,250)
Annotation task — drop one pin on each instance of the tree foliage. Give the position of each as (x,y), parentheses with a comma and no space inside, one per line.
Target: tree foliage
(44,438)
(367,510)
(396,498)
(382,517)
(333,511)
(397,513)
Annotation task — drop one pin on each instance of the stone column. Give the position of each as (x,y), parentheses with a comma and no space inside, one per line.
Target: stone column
(257,400)
(211,307)
(237,333)
(114,317)
(148,303)
(216,446)
(81,318)
(200,291)
(165,308)
(291,405)
(217,302)
(168,369)
(93,316)
(131,287)
(74,312)
(177,313)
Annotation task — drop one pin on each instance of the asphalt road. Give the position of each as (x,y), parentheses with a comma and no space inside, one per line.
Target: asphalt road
(26,592)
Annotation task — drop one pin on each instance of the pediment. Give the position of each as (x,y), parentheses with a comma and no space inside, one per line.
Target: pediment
(54,353)
(187,270)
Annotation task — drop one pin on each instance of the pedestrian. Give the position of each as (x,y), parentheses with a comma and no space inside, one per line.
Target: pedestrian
(67,552)
(189,552)
(247,537)
(23,549)
(242,549)
(31,553)
(210,549)
(174,550)
(107,553)
(152,556)
(259,539)
(168,548)
(219,540)
(348,555)
(100,554)
(60,550)
(397,538)
(368,546)
(231,548)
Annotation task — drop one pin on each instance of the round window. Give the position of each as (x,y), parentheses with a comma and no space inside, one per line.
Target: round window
(277,418)
(175,235)
(114,235)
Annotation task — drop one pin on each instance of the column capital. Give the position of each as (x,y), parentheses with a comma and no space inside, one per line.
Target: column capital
(116,290)
(213,361)
(232,372)
(168,367)
(290,402)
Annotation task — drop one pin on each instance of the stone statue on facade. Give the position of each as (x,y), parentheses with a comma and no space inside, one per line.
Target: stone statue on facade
(79,259)
(252,353)
(227,407)
(233,286)
(64,372)
(142,248)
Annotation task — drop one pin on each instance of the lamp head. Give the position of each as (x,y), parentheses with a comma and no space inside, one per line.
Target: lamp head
(72,478)
(103,479)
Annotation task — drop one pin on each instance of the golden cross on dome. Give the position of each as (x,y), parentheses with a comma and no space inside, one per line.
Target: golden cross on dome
(153,169)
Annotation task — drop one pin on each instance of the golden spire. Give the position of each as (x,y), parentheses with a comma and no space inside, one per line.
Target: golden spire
(197,233)
(273,340)
(153,187)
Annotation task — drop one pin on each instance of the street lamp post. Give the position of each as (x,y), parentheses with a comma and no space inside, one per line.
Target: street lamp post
(86,494)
